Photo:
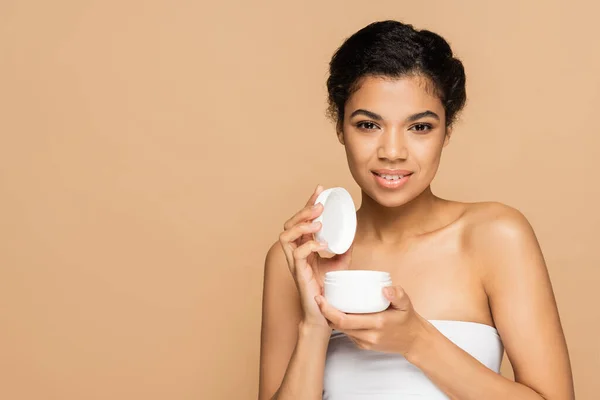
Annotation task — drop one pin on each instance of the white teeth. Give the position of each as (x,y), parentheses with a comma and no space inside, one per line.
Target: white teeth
(389,177)
(392,177)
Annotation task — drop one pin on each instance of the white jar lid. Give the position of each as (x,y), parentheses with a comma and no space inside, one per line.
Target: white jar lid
(338,219)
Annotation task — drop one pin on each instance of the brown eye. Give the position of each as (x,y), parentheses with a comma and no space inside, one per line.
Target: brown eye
(369,126)
(421,127)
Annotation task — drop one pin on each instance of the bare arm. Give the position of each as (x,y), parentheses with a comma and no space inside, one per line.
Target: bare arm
(525,313)
(292,355)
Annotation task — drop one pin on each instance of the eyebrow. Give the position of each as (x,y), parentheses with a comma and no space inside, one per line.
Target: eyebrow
(411,118)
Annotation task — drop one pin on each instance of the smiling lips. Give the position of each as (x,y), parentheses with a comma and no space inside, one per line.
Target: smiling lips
(391,178)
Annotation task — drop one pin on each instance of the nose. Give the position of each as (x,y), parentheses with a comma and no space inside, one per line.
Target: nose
(392,146)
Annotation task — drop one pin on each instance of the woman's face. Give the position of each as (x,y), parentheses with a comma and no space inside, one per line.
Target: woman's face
(394,131)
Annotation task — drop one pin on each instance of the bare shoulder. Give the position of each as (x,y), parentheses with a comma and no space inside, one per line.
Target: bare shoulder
(492,225)
(500,239)
(275,256)
(280,296)
(276,271)
(494,215)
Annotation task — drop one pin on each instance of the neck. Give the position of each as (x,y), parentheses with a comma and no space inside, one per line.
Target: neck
(393,225)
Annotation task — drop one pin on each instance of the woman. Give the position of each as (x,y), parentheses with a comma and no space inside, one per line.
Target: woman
(471,279)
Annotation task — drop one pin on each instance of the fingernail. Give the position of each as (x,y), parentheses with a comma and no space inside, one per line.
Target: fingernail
(318,299)
(390,291)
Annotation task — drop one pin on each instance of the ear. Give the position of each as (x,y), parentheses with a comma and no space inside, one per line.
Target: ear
(340,133)
(447,137)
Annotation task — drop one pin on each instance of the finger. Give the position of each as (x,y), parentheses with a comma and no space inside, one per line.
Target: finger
(304,271)
(326,254)
(347,322)
(397,297)
(314,196)
(308,213)
(297,231)
(302,252)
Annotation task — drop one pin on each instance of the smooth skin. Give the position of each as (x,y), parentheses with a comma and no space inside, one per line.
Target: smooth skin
(476,262)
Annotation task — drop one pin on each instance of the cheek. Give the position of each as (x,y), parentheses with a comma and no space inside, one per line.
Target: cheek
(428,156)
(427,152)
(358,151)
(359,154)
(354,161)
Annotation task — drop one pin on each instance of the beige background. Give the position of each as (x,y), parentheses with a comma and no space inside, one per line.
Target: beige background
(151,151)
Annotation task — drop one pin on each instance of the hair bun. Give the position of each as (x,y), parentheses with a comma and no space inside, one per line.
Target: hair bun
(435,43)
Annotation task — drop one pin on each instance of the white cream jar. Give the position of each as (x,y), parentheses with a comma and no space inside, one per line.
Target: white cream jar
(357,291)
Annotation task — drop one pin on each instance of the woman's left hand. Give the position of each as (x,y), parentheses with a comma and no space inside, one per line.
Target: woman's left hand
(395,330)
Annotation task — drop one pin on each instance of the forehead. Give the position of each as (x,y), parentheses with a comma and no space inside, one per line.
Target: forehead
(395,98)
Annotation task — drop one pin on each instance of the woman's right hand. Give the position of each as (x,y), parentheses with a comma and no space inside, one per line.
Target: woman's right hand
(306,265)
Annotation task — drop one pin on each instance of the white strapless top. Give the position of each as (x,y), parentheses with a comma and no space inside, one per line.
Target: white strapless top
(355,374)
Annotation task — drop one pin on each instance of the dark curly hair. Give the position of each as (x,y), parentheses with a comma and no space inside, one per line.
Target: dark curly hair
(393,49)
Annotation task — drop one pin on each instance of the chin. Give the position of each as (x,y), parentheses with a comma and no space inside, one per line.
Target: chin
(392,199)
(392,203)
